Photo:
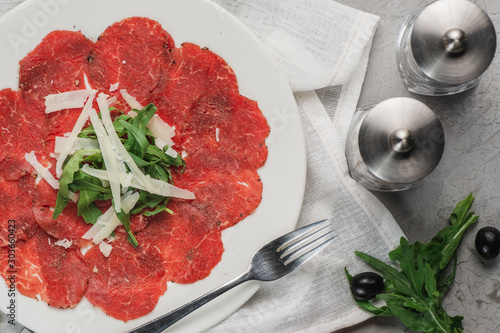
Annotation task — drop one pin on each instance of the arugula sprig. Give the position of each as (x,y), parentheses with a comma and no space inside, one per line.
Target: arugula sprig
(415,292)
(140,144)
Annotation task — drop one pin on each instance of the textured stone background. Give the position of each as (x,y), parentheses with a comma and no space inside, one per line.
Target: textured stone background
(471,163)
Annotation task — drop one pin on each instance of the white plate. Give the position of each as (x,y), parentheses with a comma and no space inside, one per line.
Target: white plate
(283,176)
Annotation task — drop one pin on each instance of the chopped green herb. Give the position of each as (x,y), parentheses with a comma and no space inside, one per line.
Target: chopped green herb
(415,292)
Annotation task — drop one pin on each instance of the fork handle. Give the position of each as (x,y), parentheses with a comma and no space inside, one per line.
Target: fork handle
(163,322)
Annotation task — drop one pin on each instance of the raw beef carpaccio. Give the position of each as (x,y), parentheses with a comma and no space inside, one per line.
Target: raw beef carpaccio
(129,282)
(220,132)
(59,276)
(18,117)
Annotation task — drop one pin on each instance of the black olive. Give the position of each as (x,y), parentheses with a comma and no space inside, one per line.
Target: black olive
(488,242)
(367,285)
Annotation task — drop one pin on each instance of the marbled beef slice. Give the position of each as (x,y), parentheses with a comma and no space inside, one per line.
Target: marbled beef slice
(56,275)
(57,64)
(20,133)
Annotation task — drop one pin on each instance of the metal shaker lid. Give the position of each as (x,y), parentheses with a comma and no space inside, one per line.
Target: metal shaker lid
(453,41)
(401,140)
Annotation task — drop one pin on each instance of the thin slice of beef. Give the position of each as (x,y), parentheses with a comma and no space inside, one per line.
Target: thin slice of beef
(20,133)
(16,200)
(189,243)
(59,276)
(223,198)
(57,64)
(198,70)
(67,226)
(222,125)
(136,53)
(127,284)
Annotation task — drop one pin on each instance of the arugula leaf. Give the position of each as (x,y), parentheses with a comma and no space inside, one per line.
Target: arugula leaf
(414,293)
(61,202)
(125,220)
(144,116)
(140,141)
(70,168)
(86,207)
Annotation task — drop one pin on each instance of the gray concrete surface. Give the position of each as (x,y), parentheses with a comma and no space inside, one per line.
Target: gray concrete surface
(470,164)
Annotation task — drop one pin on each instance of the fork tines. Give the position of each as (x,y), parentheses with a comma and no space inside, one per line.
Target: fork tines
(302,244)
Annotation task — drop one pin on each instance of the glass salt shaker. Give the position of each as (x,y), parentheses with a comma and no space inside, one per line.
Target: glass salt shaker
(444,49)
(394,145)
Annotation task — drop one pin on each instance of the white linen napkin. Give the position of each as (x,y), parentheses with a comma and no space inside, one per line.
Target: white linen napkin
(323,48)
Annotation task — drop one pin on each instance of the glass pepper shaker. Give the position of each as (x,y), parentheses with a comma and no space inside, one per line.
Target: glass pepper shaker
(444,49)
(394,145)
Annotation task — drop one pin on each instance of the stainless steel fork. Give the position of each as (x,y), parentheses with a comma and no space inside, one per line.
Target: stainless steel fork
(273,261)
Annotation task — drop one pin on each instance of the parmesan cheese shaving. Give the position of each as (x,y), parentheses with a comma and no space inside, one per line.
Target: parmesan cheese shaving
(128,203)
(64,243)
(67,100)
(114,86)
(100,223)
(45,174)
(160,187)
(120,151)
(160,129)
(105,248)
(73,196)
(109,158)
(170,151)
(217,130)
(79,143)
(109,221)
(131,101)
(108,125)
(41,170)
(86,81)
(80,122)
(160,143)
(111,100)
